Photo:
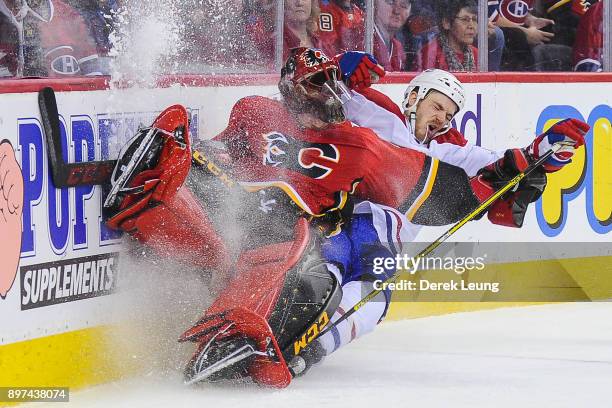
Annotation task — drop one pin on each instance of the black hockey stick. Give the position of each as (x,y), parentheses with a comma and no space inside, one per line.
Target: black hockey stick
(67,174)
(93,172)
(435,244)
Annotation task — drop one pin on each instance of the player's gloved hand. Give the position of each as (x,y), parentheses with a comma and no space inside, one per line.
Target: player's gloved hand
(510,210)
(359,69)
(568,131)
(495,175)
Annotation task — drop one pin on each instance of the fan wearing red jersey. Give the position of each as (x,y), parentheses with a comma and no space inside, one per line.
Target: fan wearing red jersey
(588,49)
(342,24)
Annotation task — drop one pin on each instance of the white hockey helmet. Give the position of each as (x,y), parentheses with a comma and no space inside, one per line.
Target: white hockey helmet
(439,80)
(433,79)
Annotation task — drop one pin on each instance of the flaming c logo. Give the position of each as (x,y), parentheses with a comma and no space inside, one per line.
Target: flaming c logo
(11,208)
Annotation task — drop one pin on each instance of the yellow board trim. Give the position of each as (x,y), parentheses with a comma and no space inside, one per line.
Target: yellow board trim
(75,359)
(91,356)
(593,276)
(431,178)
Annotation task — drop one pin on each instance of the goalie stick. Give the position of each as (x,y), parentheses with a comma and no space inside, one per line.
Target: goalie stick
(67,174)
(93,172)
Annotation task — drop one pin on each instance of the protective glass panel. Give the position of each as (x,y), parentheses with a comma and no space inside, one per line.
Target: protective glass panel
(229,36)
(135,40)
(53,38)
(587,52)
(547,35)
(414,35)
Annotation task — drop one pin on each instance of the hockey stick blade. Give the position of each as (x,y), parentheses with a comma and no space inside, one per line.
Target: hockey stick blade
(67,174)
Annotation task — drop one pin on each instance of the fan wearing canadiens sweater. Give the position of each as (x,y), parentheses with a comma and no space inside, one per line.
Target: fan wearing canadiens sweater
(45,38)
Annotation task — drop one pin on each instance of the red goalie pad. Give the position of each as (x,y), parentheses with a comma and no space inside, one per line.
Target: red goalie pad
(151,203)
(245,305)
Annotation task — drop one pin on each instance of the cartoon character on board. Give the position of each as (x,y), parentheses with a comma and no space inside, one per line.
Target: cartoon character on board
(11,208)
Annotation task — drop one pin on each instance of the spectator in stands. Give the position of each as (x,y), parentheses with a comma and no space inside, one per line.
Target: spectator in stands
(453,49)
(420,29)
(99,15)
(389,18)
(588,48)
(301,24)
(45,38)
(565,19)
(342,25)
(522,31)
(301,29)
(556,55)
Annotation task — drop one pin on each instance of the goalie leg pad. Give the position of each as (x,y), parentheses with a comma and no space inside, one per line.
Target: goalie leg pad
(178,228)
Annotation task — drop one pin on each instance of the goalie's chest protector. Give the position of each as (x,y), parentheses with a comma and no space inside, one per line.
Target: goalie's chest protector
(318,168)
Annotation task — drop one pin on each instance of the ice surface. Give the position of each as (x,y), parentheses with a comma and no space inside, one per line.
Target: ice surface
(540,356)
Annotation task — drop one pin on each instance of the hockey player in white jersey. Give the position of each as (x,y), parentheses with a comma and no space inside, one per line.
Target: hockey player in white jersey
(431,100)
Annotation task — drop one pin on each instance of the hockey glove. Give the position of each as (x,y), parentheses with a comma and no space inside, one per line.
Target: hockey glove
(510,210)
(570,131)
(494,176)
(313,354)
(359,69)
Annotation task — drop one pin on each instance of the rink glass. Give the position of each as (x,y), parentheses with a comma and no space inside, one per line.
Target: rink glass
(254,36)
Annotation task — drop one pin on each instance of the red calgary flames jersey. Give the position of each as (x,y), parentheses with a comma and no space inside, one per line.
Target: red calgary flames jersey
(319,168)
(588,48)
(342,28)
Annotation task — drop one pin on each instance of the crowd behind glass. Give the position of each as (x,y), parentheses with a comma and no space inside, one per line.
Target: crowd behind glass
(60,38)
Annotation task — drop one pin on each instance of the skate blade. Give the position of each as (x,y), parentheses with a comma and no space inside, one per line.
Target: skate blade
(242,353)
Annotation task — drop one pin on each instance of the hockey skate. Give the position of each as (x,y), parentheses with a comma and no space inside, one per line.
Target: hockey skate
(281,297)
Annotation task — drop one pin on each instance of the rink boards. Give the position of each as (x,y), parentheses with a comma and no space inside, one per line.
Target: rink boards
(58,303)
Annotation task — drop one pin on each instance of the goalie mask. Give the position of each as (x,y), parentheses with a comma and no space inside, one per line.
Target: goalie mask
(310,84)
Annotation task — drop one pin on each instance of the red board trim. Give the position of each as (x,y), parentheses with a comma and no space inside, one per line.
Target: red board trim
(101,83)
